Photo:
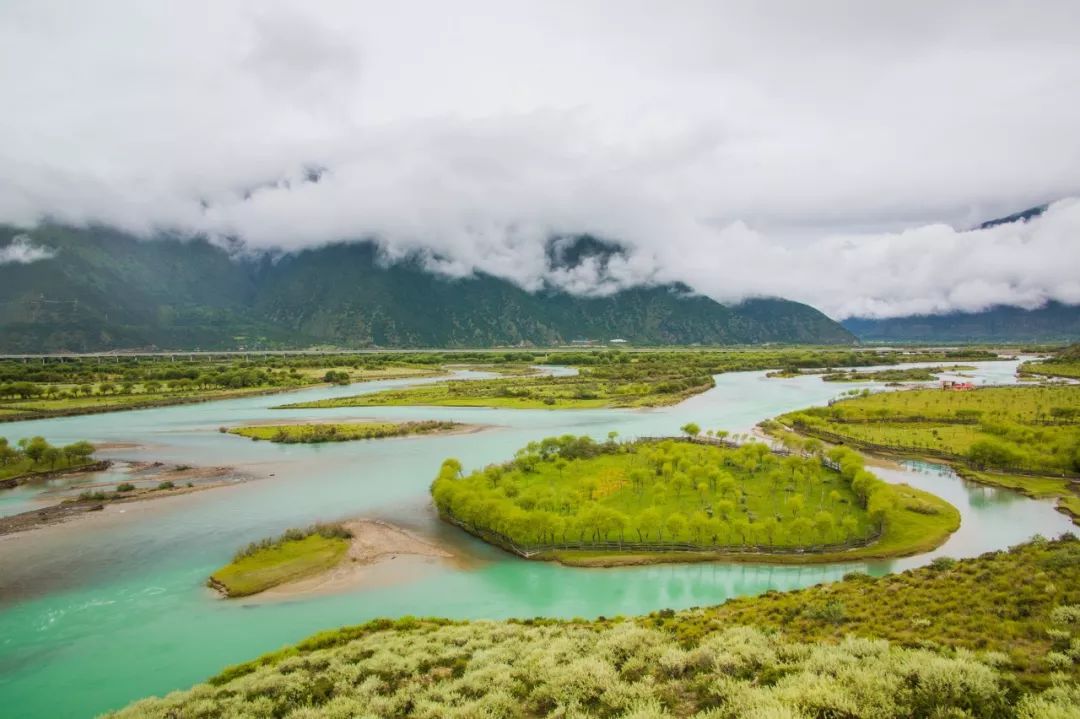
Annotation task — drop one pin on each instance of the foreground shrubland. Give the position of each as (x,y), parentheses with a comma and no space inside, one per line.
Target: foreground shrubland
(701,662)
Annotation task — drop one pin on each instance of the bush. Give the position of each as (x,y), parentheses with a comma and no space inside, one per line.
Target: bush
(125,487)
(942,564)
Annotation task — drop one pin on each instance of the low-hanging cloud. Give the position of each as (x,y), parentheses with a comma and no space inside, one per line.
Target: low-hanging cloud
(22,251)
(824,155)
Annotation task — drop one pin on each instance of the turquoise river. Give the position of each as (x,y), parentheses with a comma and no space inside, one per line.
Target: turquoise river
(111,607)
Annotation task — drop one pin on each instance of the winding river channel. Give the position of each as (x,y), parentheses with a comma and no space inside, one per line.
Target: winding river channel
(112,606)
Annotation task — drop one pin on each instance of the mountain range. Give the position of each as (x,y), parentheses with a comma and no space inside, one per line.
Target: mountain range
(102,289)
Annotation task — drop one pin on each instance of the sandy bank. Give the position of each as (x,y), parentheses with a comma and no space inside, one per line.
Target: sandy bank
(199,479)
(379,553)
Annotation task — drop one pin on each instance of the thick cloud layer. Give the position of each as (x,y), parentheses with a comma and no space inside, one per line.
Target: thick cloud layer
(744,148)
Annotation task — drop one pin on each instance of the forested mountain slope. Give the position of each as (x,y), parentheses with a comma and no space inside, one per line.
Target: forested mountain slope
(103,289)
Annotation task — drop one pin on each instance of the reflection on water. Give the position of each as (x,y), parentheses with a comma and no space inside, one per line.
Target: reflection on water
(100,611)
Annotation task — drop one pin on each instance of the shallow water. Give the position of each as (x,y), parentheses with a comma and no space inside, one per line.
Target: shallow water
(100,611)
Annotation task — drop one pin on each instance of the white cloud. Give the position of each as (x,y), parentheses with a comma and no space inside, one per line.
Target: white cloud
(21,251)
(744,148)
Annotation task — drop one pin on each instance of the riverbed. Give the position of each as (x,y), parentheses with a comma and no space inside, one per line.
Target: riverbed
(112,607)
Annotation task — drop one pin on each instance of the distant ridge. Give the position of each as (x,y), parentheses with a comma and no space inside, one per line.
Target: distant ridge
(105,289)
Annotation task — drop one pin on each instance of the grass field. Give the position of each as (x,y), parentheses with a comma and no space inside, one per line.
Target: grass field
(1069,369)
(991,637)
(1030,429)
(294,555)
(338,432)
(590,504)
(1065,363)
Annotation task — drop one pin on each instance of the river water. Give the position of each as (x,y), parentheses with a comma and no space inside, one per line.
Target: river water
(112,607)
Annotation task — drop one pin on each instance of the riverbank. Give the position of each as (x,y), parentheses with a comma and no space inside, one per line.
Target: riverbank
(121,403)
(166,481)
(90,466)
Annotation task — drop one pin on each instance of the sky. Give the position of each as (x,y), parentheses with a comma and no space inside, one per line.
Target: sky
(835,153)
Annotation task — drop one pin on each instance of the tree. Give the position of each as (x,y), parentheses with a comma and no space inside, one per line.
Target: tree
(648,522)
(52,455)
(800,527)
(560,464)
(675,525)
(699,525)
(992,453)
(7,452)
(796,504)
(34,448)
(690,429)
(824,524)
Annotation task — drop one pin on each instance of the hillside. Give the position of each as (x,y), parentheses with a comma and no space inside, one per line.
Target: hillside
(103,289)
(1053,322)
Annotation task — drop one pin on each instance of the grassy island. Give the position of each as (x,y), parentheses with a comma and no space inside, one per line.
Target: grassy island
(600,504)
(34,457)
(339,432)
(645,382)
(912,374)
(1023,437)
(295,554)
(989,637)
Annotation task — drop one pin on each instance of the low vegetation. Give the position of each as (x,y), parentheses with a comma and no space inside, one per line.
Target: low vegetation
(622,379)
(648,380)
(93,384)
(1023,438)
(295,554)
(1027,429)
(67,386)
(997,636)
(35,456)
(668,498)
(338,432)
(1064,364)
(912,374)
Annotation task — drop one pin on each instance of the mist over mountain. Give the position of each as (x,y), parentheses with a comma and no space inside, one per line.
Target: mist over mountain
(99,288)
(1053,321)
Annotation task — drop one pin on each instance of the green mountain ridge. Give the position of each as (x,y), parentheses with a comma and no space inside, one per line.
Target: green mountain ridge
(1050,323)
(104,289)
